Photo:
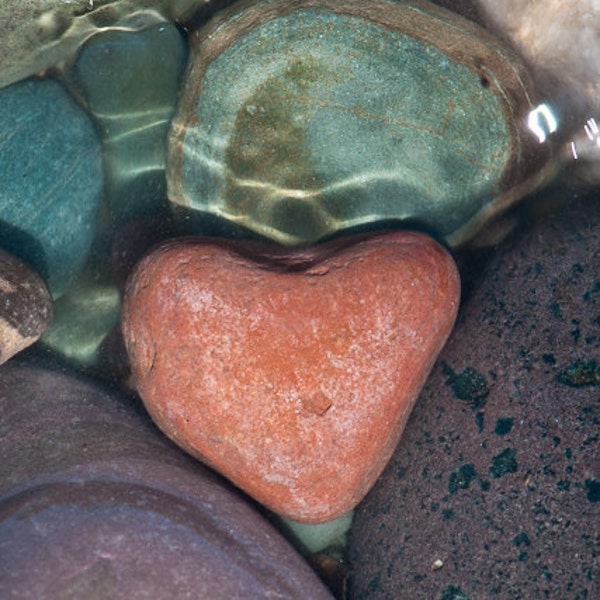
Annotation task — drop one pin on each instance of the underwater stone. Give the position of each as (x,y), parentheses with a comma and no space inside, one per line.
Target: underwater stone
(130,81)
(97,503)
(51,165)
(492,503)
(25,306)
(302,119)
(83,317)
(290,372)
(37,34)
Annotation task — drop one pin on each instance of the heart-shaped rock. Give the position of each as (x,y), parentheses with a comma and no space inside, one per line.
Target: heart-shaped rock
(291,373)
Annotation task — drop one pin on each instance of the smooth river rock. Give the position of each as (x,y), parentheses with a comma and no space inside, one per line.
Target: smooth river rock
(51,171)
(38,34)
(302,119)
(494,490)
(291,373)
(130,80)
(96,503)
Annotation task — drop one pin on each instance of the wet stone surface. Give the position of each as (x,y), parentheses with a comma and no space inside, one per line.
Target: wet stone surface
(300,120)
(497,474)
(25,306)
(51,170)
(291,373)
(96,503)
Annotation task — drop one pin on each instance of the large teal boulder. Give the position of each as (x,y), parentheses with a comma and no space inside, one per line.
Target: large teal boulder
(51,180)
(300,120)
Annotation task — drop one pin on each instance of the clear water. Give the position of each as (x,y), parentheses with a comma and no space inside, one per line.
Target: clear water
(134,213)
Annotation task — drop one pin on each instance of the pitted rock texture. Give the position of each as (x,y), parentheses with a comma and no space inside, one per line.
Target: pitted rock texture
(26,307)
(494,489)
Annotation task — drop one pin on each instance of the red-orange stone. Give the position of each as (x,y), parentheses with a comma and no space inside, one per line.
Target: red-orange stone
(292,373)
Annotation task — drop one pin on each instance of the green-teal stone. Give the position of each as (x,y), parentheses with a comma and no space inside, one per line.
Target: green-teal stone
(301,119)
(50,180)
(130,81)
(37,34)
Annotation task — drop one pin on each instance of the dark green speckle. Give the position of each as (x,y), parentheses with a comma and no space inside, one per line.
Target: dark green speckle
(549,359)
(592,292)
(503,425)
(461,478)
(480,421)
(453,592)
(592,488)
(447,514)
(503,463)
(522,539)
(580,374)
(469,385)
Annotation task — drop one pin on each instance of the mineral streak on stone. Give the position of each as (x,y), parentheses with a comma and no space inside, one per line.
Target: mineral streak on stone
(290,372)
(51,171)
(300,119)
(37,34)
(25,306)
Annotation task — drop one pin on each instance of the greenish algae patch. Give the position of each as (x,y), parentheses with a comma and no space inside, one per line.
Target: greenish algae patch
(580,374)
(469,385)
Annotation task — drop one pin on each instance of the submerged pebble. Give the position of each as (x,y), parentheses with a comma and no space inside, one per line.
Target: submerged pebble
(290,372)
(37,35)
(51,166)
(299,120)
(130,81)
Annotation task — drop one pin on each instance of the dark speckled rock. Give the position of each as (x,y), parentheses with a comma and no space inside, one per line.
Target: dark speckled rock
(494,489)
(25,306)
(96,504)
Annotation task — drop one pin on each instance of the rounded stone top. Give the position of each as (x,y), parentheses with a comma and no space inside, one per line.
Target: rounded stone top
(299,120)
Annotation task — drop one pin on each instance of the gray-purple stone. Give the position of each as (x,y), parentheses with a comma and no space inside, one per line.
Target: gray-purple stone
(494,489)
(96,503)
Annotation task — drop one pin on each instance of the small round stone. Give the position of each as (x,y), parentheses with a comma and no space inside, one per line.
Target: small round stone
(25,306)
